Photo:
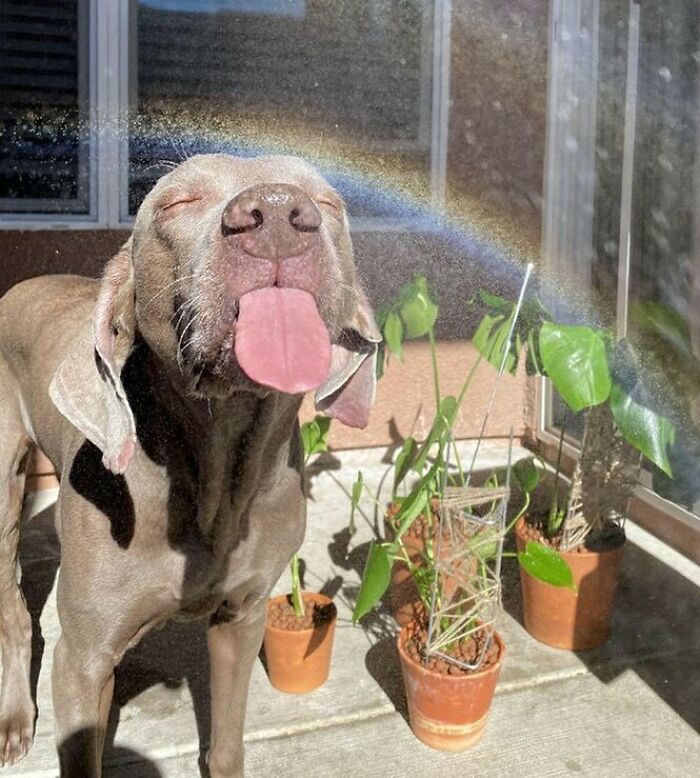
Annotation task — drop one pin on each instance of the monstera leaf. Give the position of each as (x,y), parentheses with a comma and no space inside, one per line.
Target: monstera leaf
(575,358)
(645,429)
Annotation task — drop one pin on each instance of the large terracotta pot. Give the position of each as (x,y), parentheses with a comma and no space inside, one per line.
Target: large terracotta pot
(563,618)
(298,661)
(448,712)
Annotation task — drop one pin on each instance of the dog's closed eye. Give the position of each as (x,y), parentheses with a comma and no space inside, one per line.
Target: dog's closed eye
(331,203)
(184,200)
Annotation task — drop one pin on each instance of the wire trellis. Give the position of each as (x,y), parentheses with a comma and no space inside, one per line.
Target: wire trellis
(466,594)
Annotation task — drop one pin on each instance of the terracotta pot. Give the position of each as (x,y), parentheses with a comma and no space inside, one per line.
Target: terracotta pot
(448,712)
(574,620)
(298,661)
(406,605)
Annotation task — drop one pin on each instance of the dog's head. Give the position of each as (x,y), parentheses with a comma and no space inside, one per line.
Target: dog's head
(239,276)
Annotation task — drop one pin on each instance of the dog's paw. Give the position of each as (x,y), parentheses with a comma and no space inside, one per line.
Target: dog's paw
(16,735)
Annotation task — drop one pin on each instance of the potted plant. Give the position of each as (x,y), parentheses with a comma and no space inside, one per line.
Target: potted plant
(447,536)
(300,625)
(599,375)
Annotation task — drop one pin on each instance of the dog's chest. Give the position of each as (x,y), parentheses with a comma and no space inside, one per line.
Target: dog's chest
(224,586)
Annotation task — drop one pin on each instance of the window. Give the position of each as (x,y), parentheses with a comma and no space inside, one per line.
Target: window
(624,128)
(45,153)
(130,85)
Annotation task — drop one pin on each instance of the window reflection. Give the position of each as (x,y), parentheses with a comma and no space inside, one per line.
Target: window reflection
(348,82)
(44,80)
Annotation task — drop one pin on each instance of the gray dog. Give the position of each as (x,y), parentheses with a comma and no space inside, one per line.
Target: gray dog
(166,396)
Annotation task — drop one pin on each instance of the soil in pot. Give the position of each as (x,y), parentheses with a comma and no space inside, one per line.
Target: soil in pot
(298,650)
(448,705)
(560,617)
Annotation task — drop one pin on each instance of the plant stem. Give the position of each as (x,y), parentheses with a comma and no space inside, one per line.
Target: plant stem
(297,600)
(436,374)
(552,519)
(521,512)
(468,381)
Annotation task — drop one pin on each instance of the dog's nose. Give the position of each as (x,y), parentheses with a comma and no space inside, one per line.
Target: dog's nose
(274,221)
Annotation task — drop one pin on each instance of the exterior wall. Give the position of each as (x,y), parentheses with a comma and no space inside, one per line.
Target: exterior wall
(25,254)
(405,403)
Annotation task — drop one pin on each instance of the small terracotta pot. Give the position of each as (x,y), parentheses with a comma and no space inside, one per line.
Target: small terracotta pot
(574,620)
(448,712)
(298,661)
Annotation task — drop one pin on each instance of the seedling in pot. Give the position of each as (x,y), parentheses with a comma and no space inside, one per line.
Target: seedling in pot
(314,440)
(298,645)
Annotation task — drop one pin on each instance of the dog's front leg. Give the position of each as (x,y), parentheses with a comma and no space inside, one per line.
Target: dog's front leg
(233,648)
(82,693)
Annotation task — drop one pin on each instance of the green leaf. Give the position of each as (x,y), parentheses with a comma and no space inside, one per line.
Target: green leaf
(314,435)
(575,358)
(424,577)
(533,364)
(526,475)
(490,337)
(443,422)
(490,340)
(393,334)
(643,428)
(495,303)
(667,323)
(375,581)
(404,461)
(417,309)
(411,507)
(484,545)
(357,490)
(355,495)
(547,565)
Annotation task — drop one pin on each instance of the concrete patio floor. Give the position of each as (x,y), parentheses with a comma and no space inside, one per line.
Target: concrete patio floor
(630,708)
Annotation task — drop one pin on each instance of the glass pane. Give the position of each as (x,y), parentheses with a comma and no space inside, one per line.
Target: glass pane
(44,136)
(664,283)
(665,257)
(345,84)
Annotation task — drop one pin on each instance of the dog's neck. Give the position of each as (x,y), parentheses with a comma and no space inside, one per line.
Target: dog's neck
(218,451)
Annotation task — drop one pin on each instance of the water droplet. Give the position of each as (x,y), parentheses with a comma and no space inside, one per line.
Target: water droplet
(665,74)
(659,216)
(665,163)
(611,247)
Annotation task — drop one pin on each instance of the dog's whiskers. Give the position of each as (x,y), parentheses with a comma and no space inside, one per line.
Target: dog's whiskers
(168,286)
(179,344)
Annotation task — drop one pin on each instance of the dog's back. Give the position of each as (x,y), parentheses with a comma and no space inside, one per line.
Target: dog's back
(43,309)
(39,319)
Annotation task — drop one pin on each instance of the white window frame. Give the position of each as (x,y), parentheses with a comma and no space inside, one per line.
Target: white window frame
(110,34)
(559,242)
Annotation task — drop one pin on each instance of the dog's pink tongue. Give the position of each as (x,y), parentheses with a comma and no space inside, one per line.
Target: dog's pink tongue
(281,341)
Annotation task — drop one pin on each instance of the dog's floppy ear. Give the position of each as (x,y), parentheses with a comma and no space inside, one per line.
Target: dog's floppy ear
(348,393)
(96,402)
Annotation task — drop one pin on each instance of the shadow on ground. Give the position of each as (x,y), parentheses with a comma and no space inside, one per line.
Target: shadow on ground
(655,630)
